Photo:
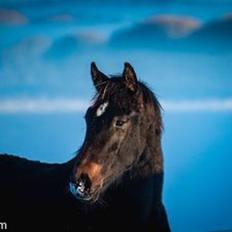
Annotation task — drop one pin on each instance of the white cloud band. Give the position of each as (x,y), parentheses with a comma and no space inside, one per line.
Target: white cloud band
(74,105)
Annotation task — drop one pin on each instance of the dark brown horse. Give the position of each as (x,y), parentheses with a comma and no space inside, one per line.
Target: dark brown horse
(114,182)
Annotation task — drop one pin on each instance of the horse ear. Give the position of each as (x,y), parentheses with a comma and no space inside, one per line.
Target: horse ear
(99,78)
(129,76)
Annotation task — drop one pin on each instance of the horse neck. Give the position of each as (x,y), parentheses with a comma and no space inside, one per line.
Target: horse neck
(142,183)
(139,194)
(150,162)
(147,174)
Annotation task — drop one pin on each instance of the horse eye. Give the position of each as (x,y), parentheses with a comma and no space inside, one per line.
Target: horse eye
(119,123)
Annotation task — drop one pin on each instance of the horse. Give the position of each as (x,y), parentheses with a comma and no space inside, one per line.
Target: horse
(115,180)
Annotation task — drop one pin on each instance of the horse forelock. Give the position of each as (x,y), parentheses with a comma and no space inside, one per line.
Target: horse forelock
(116,93)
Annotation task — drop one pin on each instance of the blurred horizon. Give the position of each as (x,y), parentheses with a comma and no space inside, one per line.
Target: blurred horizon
(181,48)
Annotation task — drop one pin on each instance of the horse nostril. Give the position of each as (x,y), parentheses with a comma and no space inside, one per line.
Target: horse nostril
(84,184)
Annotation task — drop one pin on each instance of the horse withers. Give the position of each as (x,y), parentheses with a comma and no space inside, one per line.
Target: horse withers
(116,177)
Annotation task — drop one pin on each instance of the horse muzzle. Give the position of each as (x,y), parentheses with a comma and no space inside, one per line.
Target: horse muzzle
(87,182)
(81,189)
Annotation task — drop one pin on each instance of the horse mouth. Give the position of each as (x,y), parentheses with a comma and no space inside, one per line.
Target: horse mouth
(78,191)
(83,189)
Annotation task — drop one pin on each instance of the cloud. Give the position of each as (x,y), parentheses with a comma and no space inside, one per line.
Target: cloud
(75,105)
(159,30)
(42,105)
(12,17)
(210,105)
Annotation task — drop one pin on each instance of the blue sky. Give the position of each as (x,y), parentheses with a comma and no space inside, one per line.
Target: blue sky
(45,88)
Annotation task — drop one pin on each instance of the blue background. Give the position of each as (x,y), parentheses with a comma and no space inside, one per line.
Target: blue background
(182,49)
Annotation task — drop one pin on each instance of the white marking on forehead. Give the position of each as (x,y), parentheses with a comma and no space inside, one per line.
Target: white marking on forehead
(101,109)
